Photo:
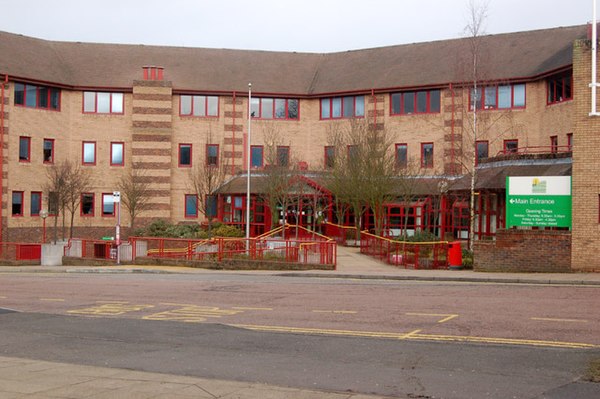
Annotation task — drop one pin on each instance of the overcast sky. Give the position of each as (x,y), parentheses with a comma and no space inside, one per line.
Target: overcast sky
(281,25)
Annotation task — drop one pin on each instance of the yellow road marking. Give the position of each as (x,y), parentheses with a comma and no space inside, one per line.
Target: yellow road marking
(110,309)
(414,335)
(336,311)
(446,317)
(191,314)
(3,297)
(559,320)
(245,308)
(52,299)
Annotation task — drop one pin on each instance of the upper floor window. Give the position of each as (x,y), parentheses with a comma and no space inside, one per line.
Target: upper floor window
(24,149)
(48,151)
(401,155)
(36,203)
(256,156)
(427,155)
(274,108)
(329,156)
(108,205)
(102,103)
(198,105)
(511,146)
(212,154)
(33,96)
(570,141)
(117,154)
(553,144)
(415,102)
(498,97)
(483,150)
(283,156)
(191,206)
(343,107)
(560,88)
(89,153)
(185,155)
(17,203)
(87,204)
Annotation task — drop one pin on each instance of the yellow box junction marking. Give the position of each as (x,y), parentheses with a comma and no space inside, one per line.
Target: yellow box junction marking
(559,320)
(110,309)
(246,308)
(52,299)
(191,313)
(446,317)
(414,335)
(336,311)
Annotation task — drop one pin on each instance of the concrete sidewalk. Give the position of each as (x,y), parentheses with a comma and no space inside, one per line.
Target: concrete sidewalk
(351,264)
(33,379)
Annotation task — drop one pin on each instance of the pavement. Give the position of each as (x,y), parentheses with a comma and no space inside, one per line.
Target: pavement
(33,379)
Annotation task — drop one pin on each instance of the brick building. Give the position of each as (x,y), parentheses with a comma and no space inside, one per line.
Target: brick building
(163,110)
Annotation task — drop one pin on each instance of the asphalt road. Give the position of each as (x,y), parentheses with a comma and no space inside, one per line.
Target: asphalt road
(389,338)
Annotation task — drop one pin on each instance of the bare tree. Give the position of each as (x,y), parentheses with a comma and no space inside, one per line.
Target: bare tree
(55,189)
(135,193)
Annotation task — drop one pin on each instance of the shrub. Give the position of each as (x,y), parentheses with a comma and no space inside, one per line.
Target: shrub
(467,259)
(419,236)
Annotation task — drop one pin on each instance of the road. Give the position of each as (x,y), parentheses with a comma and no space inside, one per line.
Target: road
(455,340)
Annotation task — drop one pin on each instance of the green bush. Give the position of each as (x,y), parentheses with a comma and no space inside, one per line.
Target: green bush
(467,259)
(161,228)
(419,236)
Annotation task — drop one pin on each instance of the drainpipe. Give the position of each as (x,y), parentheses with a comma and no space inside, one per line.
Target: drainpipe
(2,152)
(452,133)
(594,83)
(233,139)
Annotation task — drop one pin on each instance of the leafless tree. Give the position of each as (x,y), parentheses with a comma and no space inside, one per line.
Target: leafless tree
(135,193)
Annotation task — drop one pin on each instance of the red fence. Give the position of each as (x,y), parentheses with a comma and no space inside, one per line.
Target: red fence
(218,249)
(417,255)
(17,251)
(343,235)
(91,249)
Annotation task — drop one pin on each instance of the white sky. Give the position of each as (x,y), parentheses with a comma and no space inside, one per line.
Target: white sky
(281,25)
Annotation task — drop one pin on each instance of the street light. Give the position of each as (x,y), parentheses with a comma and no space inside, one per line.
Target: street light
(44,215)
(248,164)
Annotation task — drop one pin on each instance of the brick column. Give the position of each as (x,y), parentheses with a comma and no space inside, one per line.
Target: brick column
(233,140)
(452,108)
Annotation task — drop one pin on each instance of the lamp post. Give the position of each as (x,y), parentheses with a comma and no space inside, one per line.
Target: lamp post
(44,215)
(248,165)
(117,205)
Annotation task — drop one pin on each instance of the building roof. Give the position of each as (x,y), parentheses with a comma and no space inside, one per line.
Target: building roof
(525,55)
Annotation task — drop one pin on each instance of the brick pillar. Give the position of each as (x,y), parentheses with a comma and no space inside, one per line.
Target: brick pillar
(452,109)
(4,198)
(152,141)
(586,166)
(233,141)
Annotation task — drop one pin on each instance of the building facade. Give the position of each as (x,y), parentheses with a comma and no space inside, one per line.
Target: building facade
(159,112)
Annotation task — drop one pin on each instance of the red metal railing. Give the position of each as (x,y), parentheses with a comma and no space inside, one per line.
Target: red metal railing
(551,149)
(218,249)
(91,249)
(417,255)
(341,234)
(20,251)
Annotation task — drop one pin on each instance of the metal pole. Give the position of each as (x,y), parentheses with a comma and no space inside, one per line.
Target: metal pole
(248,165)
(594,83)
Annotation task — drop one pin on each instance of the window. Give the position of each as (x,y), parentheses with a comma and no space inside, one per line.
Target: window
(570,141)
(352,152)
(52,203)
(560,88)
(483,148)
(329,156)
(102,103)
(48,150)
(108,205)
(89,152)
(87,204)
(401,156)
(427,155)
(212,154)
(498,97)
(511,146)
(283,156)
(274,108)
(553,144)
(32,96)
(185,155)
(415,102)
(17,203)
(36,203)
(24,149)
(343,107)
(191,206)
(117,154)
(199,106)
(256,156)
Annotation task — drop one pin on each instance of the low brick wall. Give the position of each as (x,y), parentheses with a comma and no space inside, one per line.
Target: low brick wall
(233,264)
(524,251)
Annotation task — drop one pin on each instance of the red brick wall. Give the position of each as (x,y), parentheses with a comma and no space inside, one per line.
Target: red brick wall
(524,251)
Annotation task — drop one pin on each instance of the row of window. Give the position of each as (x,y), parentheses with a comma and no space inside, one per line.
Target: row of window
(117,152)
(559,88)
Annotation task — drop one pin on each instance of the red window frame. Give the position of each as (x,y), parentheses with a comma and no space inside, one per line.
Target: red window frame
(209,161)
(38,89)
(192,104)
(104,195)
(262,157)
(37,201)
(425,165)
(553,144)
(487,144)
(552,88)
(18,194)
(187,165)
(27,140)
(52,203)
(396,159)
(401,96)
(570,141)
(83,162)
(285,148)
(330,100)
(82,202)
(510,141)
(122,144)
(51,160)
(110,105)
(259,114)
(329,159)
(185,207)
(497,107)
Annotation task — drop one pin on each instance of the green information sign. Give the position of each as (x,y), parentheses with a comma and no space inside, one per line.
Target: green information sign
(542,201)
